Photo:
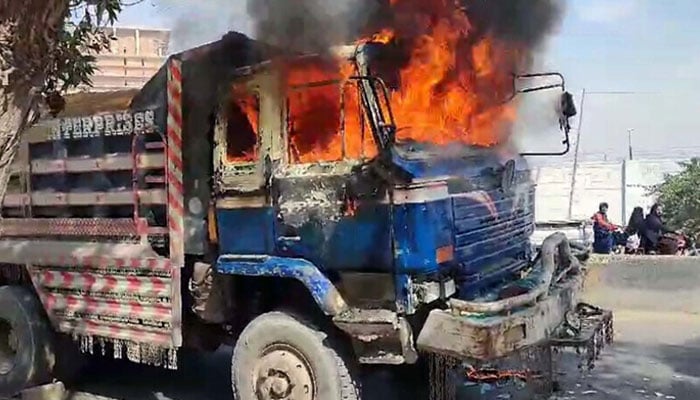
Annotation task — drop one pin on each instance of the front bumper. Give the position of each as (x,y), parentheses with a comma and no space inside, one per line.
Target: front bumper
(448,333)
(490,331)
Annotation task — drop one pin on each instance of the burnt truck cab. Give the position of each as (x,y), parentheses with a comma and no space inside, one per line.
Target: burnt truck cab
(393,240)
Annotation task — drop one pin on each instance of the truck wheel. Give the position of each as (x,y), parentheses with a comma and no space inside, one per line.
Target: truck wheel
(279,357)
(25,341)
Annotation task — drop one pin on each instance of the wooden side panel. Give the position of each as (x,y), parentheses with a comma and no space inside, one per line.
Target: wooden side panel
(88,216)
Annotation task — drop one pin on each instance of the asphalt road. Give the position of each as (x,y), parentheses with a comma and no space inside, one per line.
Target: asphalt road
(655,356)
(657,321)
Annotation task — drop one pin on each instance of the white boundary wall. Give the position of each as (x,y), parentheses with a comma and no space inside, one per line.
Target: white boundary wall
(621,184)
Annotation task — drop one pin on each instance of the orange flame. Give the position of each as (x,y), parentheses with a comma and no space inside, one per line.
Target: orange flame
(385,36)
(324,116)
(452,86)
(243,120)
(493,375)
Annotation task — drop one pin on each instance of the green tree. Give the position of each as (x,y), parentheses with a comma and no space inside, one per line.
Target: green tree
(679,195)
(46,47)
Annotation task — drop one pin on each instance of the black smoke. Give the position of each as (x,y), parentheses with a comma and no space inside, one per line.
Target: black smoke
(308,25)
(315,25)
(527,22)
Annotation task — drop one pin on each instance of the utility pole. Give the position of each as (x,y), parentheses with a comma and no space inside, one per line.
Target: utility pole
(576,152)
(584,93)
(629,140)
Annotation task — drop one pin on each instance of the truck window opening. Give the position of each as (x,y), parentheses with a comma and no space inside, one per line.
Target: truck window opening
(314,124)
(359,143)
(319,132)
(325,119)
(242,118)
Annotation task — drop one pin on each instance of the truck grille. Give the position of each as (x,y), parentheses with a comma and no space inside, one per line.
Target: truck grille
(491,236)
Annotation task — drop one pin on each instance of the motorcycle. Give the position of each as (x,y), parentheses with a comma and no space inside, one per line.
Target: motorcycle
(691,248)
(678,244)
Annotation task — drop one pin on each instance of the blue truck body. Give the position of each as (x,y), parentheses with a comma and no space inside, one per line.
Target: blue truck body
(460,206)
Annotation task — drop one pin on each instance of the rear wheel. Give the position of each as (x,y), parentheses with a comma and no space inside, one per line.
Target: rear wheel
(25,341)
(279,357)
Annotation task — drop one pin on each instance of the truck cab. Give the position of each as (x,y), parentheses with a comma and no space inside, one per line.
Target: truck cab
(311,169)
(310,176)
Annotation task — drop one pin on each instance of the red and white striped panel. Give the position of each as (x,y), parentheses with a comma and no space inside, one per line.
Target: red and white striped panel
(176,194)
(94,306)
(134,270)
(162,265)
(176,191)
(101,283)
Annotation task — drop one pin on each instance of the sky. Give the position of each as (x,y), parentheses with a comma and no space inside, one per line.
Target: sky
(638,60)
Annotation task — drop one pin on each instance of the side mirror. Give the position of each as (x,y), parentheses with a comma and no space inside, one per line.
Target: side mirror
(566,106)
(567,110)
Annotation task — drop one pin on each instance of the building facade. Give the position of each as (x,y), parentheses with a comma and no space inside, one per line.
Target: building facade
(134,56)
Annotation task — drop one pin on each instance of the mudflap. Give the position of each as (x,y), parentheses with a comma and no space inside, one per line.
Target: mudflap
(586,329)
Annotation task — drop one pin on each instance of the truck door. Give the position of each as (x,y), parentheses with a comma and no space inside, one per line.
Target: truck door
(249,119)
(237,158)
(327,207)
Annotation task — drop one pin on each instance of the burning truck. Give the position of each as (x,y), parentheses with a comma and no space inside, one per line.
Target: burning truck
(316,211)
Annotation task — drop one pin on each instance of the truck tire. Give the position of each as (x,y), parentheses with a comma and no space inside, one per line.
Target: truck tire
(25,341)
(280,357)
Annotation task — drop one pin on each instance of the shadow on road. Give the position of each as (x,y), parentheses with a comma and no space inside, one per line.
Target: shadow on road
(207,377)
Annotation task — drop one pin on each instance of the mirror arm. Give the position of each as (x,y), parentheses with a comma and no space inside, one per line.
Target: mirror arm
(564,123)
(567,147)
(537,89)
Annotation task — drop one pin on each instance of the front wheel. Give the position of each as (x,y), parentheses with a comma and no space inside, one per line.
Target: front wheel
(282,358)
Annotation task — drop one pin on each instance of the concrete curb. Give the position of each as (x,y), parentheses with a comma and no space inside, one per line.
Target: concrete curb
(649,283)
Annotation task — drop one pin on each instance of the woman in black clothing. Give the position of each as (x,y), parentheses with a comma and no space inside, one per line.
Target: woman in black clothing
(636,224)
(654,228)
(634,232)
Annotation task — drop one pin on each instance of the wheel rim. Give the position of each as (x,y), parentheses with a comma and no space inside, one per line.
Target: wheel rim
(9,345)
(283,373)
